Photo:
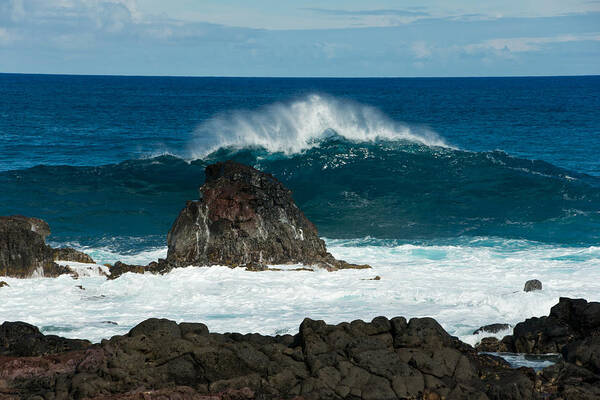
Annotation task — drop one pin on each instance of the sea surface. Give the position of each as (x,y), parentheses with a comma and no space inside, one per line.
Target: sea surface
(456,191)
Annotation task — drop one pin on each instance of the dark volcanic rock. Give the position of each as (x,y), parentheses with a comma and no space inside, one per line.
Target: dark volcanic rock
(493,345)
(156,267)
(383,359)
(23,249)
(492,328)
(69,254)
(532,285)
(569,321)
(22,340)
(584,352)
(245,217)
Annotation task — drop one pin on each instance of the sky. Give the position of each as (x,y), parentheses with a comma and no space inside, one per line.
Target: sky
(374,38)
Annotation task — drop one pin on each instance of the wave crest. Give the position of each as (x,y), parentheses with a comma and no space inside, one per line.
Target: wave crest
(293,127)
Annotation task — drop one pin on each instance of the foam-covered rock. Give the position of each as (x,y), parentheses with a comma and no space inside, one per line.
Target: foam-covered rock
(69,254)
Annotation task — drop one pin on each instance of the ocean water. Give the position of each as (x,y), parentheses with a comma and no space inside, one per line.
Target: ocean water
(456,191)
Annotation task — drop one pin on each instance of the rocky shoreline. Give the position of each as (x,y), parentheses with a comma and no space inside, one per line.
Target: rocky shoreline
(382,359)
(244,218)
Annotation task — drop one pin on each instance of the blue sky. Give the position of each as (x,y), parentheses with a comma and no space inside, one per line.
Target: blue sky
(300,38)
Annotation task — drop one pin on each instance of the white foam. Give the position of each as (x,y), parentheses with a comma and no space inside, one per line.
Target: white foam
(108,254)
(300,125)
(85,269)
(463,286)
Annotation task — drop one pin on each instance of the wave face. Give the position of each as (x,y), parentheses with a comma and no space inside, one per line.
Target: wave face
(291,128)
(385,189)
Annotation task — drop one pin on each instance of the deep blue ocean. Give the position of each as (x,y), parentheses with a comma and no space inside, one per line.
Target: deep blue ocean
(110,161)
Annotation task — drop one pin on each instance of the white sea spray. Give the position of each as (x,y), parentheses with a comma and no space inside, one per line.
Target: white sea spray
(299,125)
(463,286)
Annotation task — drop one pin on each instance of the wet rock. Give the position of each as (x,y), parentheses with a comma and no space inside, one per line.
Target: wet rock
(256,267)
(492,328)
(25,340)
(245,217)
(567,380)
(3,284)
(532,285)
(493,345)
(569,320)
(120,268)
(69,254)
(23,249)
(376,278)
(156,267)
(381,359)
(585,353)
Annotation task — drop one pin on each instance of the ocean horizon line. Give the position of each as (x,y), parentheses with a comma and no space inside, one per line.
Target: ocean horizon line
(297,77)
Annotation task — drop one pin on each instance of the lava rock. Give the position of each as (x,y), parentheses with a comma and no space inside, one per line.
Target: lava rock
(492,328)
(532,285)
(69,254)
(23,249)
(24,340)
(569,320)
(381,359)
(245,217)
(493,345)
(156,267)
(584,352)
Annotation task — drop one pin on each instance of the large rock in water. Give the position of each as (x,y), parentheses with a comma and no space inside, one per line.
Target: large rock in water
(245,217)
(24,252)
(23,249)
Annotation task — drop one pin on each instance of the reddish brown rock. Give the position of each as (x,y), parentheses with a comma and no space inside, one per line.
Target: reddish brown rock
(245,217)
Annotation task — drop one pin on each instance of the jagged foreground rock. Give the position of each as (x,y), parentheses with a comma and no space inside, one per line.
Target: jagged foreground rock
(24,252)
(245,217)
(383,359)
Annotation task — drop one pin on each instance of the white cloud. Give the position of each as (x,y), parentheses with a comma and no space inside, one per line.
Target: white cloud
(526,44)
(421,49)
(6,37)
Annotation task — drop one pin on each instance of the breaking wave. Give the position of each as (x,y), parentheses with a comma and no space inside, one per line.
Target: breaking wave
(291,128)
